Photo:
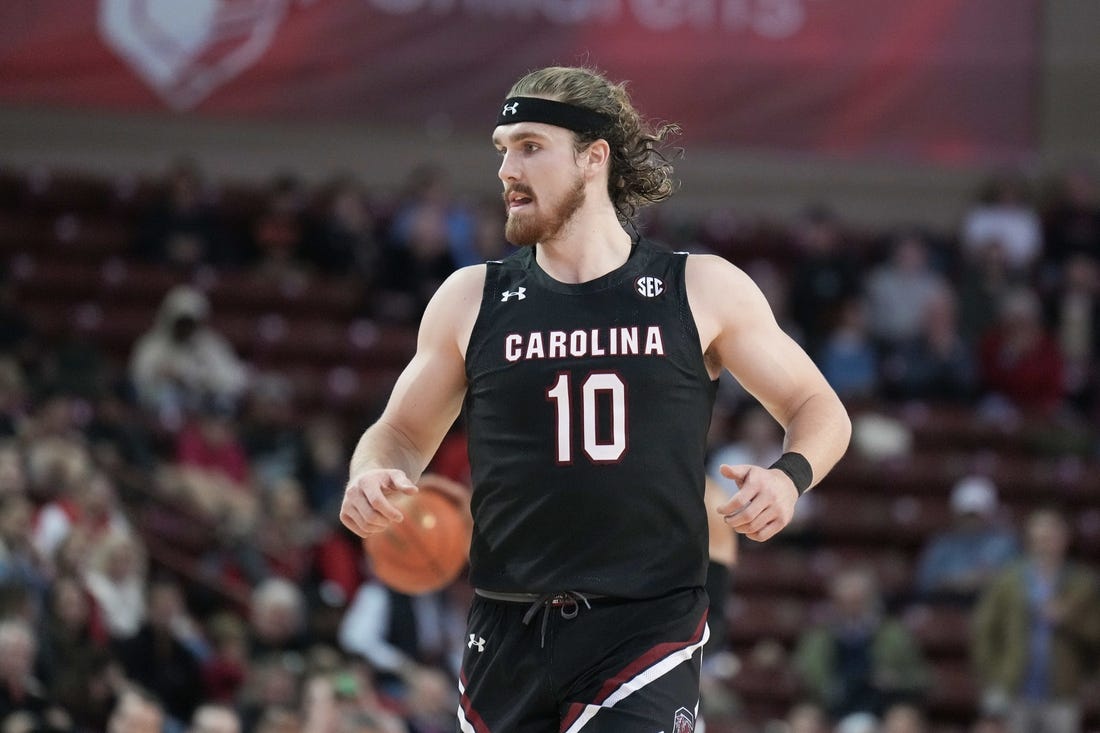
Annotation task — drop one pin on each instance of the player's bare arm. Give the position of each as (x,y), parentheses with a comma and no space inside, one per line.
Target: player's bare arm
(392,453)
(739,333)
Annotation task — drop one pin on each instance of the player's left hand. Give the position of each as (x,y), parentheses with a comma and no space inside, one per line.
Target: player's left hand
(764,503)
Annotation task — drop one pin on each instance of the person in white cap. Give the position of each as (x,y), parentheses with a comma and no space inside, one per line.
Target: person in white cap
(957,563)
(182,361)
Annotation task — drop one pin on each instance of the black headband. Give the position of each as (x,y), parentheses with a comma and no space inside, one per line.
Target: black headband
(550,112)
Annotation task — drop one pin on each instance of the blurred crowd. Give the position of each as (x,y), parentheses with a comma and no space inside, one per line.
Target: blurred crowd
(170,553)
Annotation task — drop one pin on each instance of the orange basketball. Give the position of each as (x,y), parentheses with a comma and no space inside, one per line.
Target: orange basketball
(428,550)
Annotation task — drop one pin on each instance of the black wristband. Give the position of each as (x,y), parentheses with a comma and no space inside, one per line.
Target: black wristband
(798,468)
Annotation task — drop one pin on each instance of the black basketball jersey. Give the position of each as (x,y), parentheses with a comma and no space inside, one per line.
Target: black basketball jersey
(588,407)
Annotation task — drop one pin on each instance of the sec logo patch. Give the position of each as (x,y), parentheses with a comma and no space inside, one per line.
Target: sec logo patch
(648,286)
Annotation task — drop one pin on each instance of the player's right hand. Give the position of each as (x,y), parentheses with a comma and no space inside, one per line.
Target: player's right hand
(367,508)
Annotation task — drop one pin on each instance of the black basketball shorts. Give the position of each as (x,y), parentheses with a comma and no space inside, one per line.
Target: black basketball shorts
(618,666)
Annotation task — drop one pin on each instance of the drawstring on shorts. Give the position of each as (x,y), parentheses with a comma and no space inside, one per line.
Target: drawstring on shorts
(566,602)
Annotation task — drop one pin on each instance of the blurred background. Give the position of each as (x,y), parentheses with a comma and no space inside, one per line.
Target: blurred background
(220,221)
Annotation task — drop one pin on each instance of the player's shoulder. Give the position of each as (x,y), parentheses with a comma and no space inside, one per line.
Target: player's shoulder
(454,307)
(464,282)
(709,270)
(460,292)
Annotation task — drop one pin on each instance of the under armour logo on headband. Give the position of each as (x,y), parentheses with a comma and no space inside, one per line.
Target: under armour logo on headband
(552,112)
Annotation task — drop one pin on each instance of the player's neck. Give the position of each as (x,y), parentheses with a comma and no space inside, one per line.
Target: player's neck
(591,245)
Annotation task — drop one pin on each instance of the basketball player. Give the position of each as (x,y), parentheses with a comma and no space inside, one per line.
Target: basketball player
(588,364)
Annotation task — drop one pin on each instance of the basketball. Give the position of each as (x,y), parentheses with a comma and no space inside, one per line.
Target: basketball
(428,550)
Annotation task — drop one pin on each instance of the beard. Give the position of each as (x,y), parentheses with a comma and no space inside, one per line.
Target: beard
(528,229)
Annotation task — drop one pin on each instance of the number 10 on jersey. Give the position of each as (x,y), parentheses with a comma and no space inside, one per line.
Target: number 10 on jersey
(595,383)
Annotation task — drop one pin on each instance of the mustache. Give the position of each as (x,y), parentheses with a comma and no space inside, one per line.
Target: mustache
(520,188)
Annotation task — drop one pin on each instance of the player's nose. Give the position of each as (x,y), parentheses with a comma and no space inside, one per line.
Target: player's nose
(509,169)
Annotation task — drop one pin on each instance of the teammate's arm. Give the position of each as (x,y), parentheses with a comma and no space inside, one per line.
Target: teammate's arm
(741,335)
(425,401)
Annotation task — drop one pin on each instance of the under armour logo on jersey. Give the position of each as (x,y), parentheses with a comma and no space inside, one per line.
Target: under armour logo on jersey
(476,641)
(649,287)
(518,294)
(510,109)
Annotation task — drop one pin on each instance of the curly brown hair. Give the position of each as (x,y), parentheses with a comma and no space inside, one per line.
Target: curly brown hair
(641,171)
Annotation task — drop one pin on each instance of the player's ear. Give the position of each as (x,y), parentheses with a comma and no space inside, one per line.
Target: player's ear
(597,156)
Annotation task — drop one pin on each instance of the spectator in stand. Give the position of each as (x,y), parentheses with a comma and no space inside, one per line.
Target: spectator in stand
(88,503)
(224,671)
(73,553)
(269,701)
(212,469)
(20,563)
(73,653)
(13,474)
(54,466)
(937,365)
(182,230)
(1035,633)
(271,432)
(900,291)
(278,620)
(116,579)
(20,690)
(325,472)
(903,718)
(807,717)
(346,242)
(958,563)
(182,361)
(1005,216)
(985,281)
(282,229)
(288,533)
(430,235)
(209,443)
(118,441)
(157,656)
(848,357)
(859,660)
(824,279)
(489,241)
(1072,222)
(345,701)
(1019,360)
(213,718)
(1074,312)
(136,711)
(430,702)
(429,198)
(398,633)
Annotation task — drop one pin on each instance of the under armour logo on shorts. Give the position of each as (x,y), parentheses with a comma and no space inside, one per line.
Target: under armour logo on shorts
(477,641)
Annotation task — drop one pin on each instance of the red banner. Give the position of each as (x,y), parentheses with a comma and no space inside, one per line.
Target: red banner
(948,80)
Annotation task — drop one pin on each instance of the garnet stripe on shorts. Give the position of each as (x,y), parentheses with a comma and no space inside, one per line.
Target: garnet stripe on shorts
(468,719)
(650,666)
